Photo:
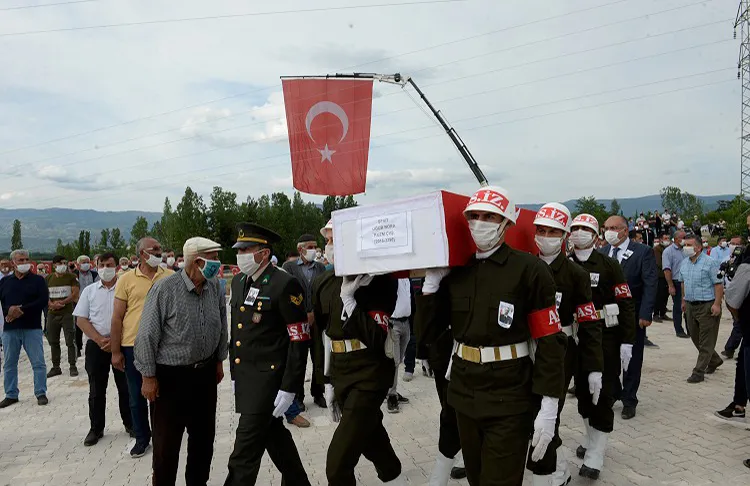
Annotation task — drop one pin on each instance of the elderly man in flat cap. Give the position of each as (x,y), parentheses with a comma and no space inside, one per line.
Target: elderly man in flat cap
(179,350)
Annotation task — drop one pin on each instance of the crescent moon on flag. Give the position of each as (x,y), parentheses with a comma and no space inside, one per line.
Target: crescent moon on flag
(327,107)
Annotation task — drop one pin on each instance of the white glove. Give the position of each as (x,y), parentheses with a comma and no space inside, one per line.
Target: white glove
(348,287)
(544,427)
(595,386)
(626,353)
(282,403)
(334,411)
(432,279)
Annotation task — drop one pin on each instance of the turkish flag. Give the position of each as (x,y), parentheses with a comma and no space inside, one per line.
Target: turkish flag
(329,134)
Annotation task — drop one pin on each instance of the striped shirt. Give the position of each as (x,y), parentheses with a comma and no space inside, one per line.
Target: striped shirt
(699,278)
(179,326)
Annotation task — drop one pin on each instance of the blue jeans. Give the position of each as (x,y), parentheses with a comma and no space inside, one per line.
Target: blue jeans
(735,338)
(138,405)
(31,340)
(632,378)
(410,359)
(293,411)
(677,308)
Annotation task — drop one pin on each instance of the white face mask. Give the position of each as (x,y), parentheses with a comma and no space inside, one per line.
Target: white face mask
(612,237)
(310,255)
(688,251)
(170,261)
(666,243)
(153,260)
(486,234)
(61,268)
(731,248)
(581,238)
(548,246)
(181,264)
(329,253)
(583,255)
(85,267)
(723,244)
(247,263)
(705,244)
(24,267)
(107,273)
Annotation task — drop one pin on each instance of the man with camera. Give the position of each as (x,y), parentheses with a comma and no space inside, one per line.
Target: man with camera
(737,301)
(727,270)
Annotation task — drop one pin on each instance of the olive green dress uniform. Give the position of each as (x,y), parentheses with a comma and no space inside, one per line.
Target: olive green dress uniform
(361,378)
(604,274)
(495,402)
(266,356)
(582,357)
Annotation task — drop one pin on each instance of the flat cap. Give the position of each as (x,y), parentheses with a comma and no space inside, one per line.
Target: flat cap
(251,234)
(198,244)
(305,238)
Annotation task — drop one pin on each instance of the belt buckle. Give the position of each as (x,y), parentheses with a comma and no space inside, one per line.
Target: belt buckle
(356,344)
(338,346)
(471,354)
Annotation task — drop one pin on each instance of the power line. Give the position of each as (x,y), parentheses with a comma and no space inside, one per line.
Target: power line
(251,142)
(227,16)
(493,124)
(24,7)
(246,93)
(270,120)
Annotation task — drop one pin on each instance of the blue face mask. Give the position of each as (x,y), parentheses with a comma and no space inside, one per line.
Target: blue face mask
(210,268)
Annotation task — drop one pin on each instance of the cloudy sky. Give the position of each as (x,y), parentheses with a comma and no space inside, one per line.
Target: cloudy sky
(556,99)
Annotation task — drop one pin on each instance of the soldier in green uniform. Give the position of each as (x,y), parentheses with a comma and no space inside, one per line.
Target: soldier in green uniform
(499,306)
(355,314)
(267,359)
(614,303)
(580,323)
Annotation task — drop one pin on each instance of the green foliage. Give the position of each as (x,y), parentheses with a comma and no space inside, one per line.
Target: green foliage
(590,206)
(84,243)
(68,250)
(117,242)
(139,230)
(614,207)
(333,203)
(16,242)
(685,204)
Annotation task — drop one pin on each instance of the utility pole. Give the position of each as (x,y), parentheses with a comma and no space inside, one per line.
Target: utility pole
(743,74)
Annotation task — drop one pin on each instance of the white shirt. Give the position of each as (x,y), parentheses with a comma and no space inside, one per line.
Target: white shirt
(403,301)
(96,304)
(622,246)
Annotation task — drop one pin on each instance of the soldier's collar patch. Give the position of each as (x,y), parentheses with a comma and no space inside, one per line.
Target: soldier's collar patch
(265,280)
(296,300)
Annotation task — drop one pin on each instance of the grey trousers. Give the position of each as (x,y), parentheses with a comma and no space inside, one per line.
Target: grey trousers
(704,331)
(57,323)
(401,335)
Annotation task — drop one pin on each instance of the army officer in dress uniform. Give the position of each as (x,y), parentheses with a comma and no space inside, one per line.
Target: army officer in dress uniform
(580,323)
(355,314)
(614,302)
(267,359)
(495,305)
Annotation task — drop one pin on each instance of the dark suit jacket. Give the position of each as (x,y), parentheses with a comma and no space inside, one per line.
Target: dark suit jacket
(640,271)
(295,269)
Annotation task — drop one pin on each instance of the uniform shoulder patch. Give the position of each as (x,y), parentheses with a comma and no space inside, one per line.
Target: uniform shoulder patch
(296,299)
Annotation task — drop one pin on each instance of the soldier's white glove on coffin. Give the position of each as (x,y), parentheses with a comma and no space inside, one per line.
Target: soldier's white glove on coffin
(595,386)
(432,279)
(282,403)
(334,411)
(348,287)
(544,427)
(626,353)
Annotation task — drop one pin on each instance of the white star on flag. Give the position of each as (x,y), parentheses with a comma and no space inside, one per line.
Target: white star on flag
(326,154)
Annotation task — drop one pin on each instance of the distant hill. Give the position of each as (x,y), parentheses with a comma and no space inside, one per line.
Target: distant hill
(633,205)
(40,228)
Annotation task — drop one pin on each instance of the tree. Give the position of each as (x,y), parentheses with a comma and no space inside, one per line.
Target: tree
(614,207)
(591,206)
(333,203)
(190,218)
(84,243)
(16,243)
(685,204)
(117,242)
(223,215)
(139,230)
(104,240)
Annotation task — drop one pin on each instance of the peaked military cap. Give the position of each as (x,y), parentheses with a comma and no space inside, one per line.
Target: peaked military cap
(251,234)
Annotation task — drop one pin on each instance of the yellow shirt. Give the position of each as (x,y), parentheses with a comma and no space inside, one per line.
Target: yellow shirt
(132,288)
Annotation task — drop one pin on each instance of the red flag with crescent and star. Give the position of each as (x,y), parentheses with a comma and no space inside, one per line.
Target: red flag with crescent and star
(329,134)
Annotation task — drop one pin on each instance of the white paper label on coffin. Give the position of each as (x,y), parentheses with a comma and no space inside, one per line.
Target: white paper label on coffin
(385,235)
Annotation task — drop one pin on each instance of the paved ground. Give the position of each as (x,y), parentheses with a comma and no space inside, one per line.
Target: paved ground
(674,440)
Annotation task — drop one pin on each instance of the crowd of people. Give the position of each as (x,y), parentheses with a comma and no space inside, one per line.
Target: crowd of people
(504,336)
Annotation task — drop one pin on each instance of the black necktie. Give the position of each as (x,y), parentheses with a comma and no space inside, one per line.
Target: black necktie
(615,251)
